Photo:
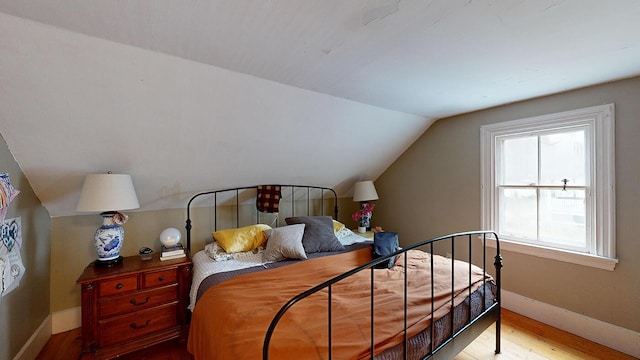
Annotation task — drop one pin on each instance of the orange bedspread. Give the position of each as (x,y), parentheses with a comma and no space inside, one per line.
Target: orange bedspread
(231,319)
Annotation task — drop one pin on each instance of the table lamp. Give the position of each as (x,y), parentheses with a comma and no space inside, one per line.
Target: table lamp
(365,191)
(108,194)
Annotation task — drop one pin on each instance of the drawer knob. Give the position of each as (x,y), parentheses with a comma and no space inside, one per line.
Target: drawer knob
(161,278)
(136,326)
(119,286)
(134,302)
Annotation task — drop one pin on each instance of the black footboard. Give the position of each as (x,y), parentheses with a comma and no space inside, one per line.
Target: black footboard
(431,343)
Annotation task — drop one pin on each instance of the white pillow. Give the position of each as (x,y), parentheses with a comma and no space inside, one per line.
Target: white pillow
(284,243)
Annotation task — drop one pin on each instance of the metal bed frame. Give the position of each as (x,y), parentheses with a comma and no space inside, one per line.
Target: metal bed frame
(237,190)
(449,347)
(457,340)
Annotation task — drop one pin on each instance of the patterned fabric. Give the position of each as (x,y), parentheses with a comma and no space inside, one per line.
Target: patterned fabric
(217,253)
(268,199)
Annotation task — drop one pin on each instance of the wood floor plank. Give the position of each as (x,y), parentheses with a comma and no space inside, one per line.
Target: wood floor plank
(525,338)
(522,339)
(62,346)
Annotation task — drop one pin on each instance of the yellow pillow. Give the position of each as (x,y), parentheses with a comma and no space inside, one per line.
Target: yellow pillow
(337,226)
(241,239)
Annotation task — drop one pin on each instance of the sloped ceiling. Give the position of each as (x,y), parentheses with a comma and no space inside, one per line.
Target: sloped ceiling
(200,94)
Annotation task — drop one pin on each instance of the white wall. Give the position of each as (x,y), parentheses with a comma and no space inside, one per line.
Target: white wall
(72,104)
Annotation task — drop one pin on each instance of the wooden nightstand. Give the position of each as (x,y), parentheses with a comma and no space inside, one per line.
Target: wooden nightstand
(133,305)
(368,234)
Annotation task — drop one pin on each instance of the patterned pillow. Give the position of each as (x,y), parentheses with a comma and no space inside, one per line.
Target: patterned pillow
(217,253)
(343,233)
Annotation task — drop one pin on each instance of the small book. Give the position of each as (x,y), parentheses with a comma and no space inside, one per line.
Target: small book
(172,250)
(171,257)
(177,246)
(171,253)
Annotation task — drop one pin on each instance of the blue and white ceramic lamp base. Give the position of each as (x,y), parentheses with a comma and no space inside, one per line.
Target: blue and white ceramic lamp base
(108,241)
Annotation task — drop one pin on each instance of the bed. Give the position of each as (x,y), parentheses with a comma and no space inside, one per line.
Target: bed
(329,301)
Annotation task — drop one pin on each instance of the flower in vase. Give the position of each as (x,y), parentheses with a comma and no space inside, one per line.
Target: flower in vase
(120,218)
(363,215)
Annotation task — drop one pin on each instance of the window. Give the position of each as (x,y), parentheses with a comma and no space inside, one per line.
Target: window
(547,185)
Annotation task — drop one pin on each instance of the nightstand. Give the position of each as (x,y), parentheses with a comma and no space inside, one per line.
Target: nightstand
(134,305)
(367,234)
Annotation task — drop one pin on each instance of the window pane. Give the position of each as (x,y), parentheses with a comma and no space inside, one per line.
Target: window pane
(518,213)
(562,156)
(563,218)
(544,150)
(520,161)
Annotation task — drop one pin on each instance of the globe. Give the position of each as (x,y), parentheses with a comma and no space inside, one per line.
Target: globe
(170,237)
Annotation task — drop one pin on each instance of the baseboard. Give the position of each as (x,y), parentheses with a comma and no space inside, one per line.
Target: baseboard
(609,335)
(66,320)
(36,342)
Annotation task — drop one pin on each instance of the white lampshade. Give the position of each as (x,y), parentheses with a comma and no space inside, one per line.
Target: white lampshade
(107,192)
(365,191)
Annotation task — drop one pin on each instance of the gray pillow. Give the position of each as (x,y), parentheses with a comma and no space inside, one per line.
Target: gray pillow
(284,243)
(318,233)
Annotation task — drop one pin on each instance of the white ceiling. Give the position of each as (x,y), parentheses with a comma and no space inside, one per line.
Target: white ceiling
(410,62)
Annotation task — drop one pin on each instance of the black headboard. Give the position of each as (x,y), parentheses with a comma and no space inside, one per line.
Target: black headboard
(234,193)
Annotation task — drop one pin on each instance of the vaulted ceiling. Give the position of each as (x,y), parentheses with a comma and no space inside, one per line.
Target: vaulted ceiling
(201,94)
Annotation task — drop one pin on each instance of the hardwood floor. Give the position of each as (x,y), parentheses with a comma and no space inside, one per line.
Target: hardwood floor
(67,346)
(522,338)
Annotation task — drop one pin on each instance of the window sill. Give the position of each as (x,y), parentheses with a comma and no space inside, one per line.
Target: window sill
(598,262)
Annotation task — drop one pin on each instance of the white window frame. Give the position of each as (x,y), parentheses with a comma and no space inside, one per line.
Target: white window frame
(600,121)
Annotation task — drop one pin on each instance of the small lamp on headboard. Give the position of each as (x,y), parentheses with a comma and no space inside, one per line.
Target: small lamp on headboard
(108,194)
(364,191)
